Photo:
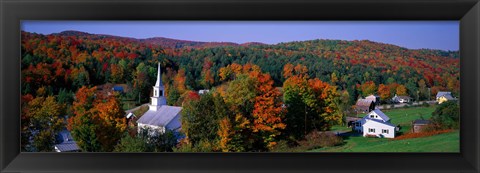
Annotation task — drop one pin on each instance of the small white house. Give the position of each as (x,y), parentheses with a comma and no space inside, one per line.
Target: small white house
(401,99)
(203,91)
(376,123)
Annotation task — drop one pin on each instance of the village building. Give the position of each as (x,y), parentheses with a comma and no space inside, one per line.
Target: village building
(109,88)
(419,125)
(376,123)
(201,92)
(444,96)
(130,119)
(65,142)
(374,98)
(401,99)
(160,117)
(364,105)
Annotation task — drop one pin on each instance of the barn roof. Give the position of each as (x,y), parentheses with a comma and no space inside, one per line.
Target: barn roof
(162,117)
(421,122)
(364,102)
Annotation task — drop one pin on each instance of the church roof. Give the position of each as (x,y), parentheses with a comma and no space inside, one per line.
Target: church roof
(162,117)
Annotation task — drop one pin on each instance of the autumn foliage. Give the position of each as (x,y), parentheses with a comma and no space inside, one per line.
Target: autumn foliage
(99,116)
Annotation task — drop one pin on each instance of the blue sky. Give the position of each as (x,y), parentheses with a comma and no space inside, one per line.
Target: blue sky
(410,34)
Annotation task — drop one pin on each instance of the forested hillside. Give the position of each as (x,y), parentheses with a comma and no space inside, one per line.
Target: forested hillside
(260,94)
(73,59)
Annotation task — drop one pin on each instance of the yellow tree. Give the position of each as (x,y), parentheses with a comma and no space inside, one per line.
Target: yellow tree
(401,90)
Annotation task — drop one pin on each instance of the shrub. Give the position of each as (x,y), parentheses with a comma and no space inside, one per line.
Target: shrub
(421,134)
(425,104)
(317,139)
(202,146)
(446,116)
(284,146)
(313,140)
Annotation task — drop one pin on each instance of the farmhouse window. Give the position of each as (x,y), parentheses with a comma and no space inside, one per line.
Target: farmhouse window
(385,131)
(371,130)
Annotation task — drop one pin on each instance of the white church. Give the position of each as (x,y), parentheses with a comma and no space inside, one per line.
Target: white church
(160,116)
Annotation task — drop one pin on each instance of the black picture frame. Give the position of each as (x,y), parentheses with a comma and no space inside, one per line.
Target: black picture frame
(12,12)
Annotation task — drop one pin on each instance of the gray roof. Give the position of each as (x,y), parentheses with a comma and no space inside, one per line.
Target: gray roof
(162,117)
(381,122)
(66,142)
(67,146)
(404,97)
(364,102)
(448,97)
(381,114)
(443,93)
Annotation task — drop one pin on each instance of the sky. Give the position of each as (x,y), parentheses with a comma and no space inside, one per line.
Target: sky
(442,35)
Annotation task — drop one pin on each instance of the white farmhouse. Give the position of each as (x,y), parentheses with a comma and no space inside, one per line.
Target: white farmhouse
(160,116)
(376,123)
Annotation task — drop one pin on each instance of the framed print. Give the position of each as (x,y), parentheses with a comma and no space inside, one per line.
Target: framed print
(284,86)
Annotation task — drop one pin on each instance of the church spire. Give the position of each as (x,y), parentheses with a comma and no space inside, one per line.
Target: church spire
(158,98)
(159,76)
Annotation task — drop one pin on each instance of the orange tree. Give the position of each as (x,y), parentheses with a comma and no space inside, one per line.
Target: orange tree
(98,122)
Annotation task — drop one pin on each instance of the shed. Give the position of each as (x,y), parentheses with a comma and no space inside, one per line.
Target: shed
(419,125)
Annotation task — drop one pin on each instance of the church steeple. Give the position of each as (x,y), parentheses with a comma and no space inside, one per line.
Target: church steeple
(159,76)
(158,98)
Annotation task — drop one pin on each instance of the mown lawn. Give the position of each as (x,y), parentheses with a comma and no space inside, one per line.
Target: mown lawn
(405,116)
(447,142)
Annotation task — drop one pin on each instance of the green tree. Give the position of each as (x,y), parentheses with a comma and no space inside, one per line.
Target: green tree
(200,117)
(132,144)
(446,116)
(45,117)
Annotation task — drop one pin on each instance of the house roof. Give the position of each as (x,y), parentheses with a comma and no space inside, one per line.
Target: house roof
(448,97)
(380,121)
(381,114)
(443,93)
(117,88)
(67,146)
(404,97)
(130,115)
(66,142)
(162,117)
(421,122)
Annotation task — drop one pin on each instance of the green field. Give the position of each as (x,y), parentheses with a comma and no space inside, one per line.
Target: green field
(447,142)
